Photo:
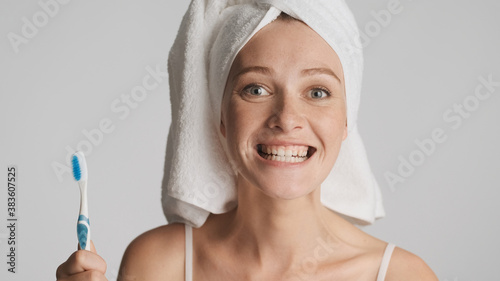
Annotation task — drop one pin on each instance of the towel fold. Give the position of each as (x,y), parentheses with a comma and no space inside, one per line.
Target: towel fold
(198,179)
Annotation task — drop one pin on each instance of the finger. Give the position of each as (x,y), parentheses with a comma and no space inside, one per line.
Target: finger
(81,261)
(84,276)
(92,247)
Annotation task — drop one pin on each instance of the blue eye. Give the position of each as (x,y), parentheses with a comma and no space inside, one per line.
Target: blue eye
(255,90)
(319,93)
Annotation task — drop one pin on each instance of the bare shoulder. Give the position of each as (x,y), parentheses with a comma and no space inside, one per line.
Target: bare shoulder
(157,254)
(408,266)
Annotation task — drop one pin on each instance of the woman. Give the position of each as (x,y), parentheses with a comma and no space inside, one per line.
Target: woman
(284,117)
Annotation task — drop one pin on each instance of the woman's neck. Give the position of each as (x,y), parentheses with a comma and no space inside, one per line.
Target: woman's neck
(282,232)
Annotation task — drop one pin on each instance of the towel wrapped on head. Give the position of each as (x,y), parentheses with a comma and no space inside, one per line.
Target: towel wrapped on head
(198,177)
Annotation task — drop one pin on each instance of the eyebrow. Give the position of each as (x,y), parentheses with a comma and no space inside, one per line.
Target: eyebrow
(259,69)
(267,71)
(320,70)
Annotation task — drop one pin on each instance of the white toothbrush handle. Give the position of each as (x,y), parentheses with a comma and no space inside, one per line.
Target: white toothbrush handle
(83,225)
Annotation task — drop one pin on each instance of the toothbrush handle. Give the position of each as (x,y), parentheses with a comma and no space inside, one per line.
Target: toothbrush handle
(83,232)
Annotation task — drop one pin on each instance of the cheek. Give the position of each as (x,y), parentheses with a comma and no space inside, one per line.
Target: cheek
(333,130)
(242,122)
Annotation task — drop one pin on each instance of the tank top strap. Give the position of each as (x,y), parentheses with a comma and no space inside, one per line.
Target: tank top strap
(189,253)
(385,261)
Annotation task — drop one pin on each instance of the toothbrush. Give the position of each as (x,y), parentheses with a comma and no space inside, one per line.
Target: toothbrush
(83,225)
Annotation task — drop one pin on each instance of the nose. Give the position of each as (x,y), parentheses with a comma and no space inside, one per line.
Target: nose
(286,114)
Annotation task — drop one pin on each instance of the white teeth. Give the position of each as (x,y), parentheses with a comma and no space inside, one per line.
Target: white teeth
(289,154)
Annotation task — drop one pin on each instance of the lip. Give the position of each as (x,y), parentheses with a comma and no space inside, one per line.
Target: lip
(311,152)
(284,144)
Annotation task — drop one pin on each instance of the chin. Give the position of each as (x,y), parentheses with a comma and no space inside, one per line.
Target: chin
(286,191)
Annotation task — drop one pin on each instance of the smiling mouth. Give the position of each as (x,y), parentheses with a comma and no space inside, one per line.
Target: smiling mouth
(288,154)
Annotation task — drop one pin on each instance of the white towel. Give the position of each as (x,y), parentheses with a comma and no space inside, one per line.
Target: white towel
(198,178)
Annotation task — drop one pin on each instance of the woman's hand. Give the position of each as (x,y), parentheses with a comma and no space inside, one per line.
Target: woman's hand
(82,265)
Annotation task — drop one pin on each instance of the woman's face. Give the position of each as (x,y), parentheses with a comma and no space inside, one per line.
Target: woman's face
(284,110)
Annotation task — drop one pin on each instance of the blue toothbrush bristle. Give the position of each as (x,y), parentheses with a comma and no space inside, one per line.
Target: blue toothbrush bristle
(77,173)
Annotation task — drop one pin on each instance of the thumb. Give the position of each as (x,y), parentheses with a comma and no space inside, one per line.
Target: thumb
(92,247)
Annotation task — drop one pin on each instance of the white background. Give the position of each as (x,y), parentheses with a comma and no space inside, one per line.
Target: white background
(420,62)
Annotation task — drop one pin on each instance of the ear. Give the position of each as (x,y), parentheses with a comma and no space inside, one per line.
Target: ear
(345,132)
(222,128)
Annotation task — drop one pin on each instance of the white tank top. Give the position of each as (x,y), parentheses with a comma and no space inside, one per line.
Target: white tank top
(189,257)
